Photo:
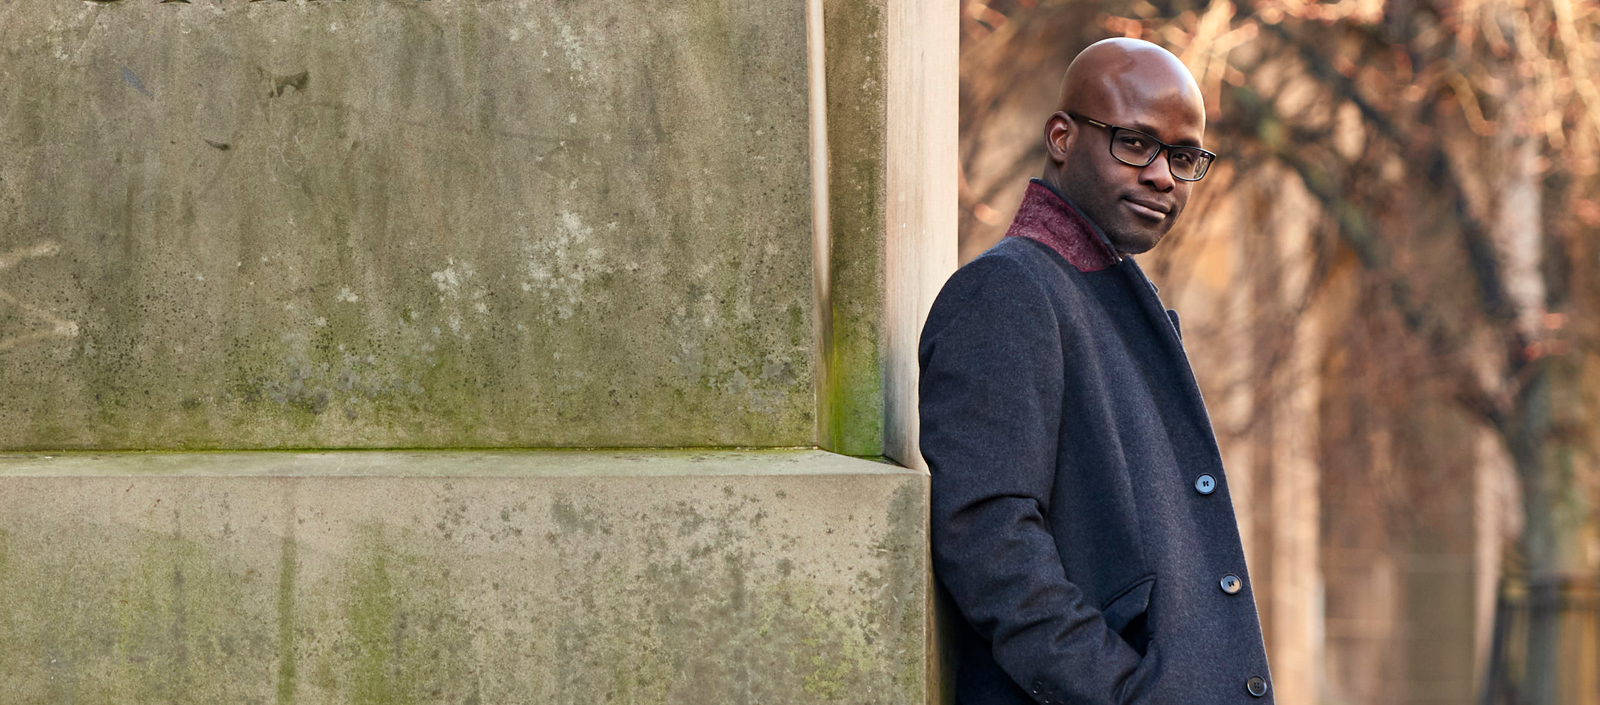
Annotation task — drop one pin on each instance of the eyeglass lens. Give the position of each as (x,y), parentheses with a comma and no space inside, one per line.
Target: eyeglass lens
(1135,148)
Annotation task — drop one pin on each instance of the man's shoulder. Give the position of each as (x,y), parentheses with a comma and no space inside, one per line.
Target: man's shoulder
(1022,250)
(1009,282)
(1014,266)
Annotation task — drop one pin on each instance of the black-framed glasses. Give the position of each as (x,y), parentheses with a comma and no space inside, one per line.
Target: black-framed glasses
(1136,148)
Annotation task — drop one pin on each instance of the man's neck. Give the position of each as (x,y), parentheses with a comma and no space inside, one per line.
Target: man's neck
(1098,233)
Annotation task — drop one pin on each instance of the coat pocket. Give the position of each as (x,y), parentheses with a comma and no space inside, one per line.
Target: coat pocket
(1127,613)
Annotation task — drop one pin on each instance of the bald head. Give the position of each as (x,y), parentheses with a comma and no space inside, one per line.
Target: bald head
(1133,84)
(1115,73)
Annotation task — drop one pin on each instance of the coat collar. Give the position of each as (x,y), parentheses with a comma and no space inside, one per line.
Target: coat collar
(1050,219)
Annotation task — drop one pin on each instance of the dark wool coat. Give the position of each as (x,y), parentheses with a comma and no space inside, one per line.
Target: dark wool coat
(1081,520)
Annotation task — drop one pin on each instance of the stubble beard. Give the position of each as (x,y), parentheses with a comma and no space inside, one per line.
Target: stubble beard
(1101,203)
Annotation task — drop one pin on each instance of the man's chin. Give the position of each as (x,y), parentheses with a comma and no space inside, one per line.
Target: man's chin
(1134,241)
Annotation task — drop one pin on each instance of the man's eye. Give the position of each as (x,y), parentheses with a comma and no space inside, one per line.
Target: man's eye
(1183,157)
(1133,142)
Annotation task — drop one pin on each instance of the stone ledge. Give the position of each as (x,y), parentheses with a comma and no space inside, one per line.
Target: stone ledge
(443,463)
(698,577)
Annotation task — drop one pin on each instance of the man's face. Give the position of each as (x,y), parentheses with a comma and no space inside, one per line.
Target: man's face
(1135,206)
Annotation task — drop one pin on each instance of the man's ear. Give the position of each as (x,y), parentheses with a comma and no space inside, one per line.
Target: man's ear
(1059,131)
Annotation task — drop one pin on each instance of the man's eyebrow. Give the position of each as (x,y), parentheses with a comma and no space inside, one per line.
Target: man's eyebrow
(1151,130)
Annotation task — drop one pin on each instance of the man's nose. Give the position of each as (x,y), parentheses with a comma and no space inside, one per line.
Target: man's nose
(1158,173)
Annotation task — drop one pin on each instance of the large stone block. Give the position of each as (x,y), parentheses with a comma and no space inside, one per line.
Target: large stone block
(441,577)
(387,223)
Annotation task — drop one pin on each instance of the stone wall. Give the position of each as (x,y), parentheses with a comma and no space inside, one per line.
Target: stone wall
(231,229)
(448,577)
(376,223)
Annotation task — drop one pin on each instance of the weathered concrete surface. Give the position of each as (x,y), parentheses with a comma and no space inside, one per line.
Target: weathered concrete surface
(891,86)
(576,577)
(405,224)
(920,233)
(851,396)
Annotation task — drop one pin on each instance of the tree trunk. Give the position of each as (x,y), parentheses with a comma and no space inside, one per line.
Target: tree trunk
(1558,543)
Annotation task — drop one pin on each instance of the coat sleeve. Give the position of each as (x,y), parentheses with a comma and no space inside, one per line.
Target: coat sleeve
(991,405)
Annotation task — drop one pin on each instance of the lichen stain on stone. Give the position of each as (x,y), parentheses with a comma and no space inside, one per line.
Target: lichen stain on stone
(561,261)
(288,570)
(171,610)
(904,593)
(159,618)
(461,298)
(718,620)
(375,630)
(403,639)
(852,397)
(573,519)
(577,55)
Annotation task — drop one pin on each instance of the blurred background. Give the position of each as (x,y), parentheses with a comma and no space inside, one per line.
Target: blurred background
(1388,288)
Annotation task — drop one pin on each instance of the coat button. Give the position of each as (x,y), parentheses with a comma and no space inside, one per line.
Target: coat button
(1256,685)
(1206,484)
(1231,584)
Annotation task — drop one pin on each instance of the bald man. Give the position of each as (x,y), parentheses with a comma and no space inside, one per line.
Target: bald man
(1081,520)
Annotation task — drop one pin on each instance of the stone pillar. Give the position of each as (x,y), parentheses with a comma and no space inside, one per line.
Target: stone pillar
(890,97)
(465,244)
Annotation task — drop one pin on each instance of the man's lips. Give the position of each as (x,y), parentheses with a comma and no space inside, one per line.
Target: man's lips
(1150,210)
